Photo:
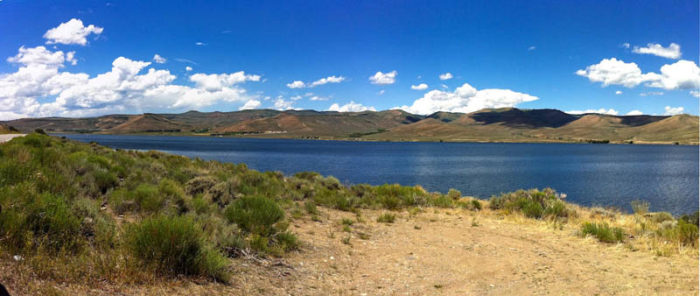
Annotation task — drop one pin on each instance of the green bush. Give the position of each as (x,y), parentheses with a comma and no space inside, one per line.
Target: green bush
(255,215)
(692,218)
(640,207)
(532,203)
(603,232)
(287,241)
(310,207)
(454,194)
(44,221)
(476,204)
(174,245)
(386,218)
(531,208)
(147,197)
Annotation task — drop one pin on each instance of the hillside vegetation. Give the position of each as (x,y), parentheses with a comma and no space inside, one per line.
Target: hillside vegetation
(500,125)
(82,213)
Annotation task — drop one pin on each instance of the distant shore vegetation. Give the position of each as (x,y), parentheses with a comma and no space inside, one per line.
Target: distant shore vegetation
(76,211)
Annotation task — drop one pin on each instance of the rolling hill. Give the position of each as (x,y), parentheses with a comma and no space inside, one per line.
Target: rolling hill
(502,125)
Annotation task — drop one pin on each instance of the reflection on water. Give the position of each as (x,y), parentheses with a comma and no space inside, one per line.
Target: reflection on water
(608,175)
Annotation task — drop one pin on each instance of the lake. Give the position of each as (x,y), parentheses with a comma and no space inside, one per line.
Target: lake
(607,175)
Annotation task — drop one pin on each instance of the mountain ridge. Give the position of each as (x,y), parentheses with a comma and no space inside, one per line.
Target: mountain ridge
(487,125)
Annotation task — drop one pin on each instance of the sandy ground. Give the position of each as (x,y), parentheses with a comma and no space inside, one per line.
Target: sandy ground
(6,137)
(452,252)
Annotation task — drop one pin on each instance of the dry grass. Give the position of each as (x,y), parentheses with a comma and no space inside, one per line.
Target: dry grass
(422,250)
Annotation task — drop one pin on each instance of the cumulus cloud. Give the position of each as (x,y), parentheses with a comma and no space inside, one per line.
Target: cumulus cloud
(71,32)
(634,112)
(613,71)
(282,104)
(329,79)
(128,86)
(652,93)
(446,76)
(381,92)
(618,92)
(668,110)
(351,107)
(296,84)
(421,86)
(466,99)
(599,111)
(41,56)
(682,74)
(200,43)
(383,78)
(250,104)
(695,93)
(679,75)
(159,59)
(322,81)
(625,45)
(216,82)
(188,68)
(673,51)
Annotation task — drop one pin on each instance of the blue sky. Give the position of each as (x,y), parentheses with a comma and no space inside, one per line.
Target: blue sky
(534,54)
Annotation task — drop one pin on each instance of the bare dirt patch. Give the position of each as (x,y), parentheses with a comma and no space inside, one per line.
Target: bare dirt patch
(438,252)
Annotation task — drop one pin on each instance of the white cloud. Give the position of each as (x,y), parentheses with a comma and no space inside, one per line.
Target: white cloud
(71,32)
(351,107)
(188,68)
(281,104)
(652,93)
(466,99)
(318,98)
(446,76)
(531,48)
(682,74)
(625,45)
(159,59)
(695,93)
(383,78)
(127,87)
(296,84)
(618,92)
(200,43)
(322,81)
(634,112)
(614,71)
(599,111)
(250,104)
(41,56)
(673,51)
(421,86)
(216,82)
(329,79)
(381,92)
(668,110)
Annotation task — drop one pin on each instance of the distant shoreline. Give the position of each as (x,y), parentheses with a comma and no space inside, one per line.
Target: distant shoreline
(319,138)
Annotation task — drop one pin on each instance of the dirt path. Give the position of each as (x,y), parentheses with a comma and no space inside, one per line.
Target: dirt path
(6,137)
(448,253)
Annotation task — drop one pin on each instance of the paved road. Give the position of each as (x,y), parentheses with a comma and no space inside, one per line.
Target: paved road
(6,137)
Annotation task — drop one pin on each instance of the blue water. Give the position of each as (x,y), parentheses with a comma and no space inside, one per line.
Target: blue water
(607,175)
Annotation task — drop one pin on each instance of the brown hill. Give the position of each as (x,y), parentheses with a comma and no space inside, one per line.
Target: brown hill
(148,123)
(6,129)
(323,124)
(505,124)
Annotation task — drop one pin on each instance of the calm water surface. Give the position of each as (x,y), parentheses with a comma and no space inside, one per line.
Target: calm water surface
(608,175)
